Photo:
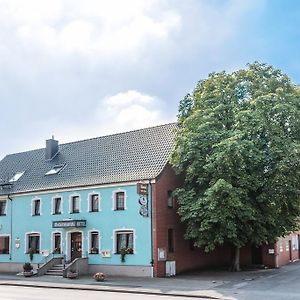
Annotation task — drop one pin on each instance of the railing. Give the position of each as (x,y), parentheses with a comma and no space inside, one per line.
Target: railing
(49,257)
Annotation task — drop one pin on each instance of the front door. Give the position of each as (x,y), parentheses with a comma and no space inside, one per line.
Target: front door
(76,245)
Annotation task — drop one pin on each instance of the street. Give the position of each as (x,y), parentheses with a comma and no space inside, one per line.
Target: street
(32,293)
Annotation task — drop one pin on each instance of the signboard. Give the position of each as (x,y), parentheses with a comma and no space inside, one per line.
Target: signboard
(142,188)
(106,253)
(69,223)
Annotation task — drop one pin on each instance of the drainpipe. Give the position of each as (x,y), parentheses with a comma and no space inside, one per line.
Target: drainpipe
(11,233)
(151,221)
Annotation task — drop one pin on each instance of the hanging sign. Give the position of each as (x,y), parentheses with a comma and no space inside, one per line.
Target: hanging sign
(142,188)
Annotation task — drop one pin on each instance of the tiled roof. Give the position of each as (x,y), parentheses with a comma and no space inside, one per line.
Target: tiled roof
(129,156)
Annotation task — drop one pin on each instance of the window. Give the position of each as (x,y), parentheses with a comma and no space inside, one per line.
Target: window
(94,203)
(4,244)
(94,242)
(75,204)
(124,240)
(16,177)
(36,207)
(33,242)
(170,199)
(119,201)
(56,169)
(3,208)
(57,205)
(57,243)
(171,240)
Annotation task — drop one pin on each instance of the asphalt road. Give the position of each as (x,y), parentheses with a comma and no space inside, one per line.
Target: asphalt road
(32,293)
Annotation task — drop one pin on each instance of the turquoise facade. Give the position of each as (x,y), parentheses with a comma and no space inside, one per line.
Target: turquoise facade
(106,221)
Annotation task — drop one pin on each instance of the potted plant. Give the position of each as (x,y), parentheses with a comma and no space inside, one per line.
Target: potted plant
(99,276)
(27,269)
(31,251)
(94,250)
(125,251)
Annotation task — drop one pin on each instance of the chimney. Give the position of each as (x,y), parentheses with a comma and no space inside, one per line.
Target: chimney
(51,148)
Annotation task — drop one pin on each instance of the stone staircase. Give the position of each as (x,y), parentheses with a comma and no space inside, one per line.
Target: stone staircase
(56,270)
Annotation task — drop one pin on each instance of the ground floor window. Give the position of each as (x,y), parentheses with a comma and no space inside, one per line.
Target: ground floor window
(124,240)
(94,242)
(33,243)
(4,244)
(57,243)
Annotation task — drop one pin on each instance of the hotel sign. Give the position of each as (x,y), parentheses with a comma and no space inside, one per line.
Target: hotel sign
(142,188)
(69,223)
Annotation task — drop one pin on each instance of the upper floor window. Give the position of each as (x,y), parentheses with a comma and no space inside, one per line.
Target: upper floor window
(33,242)
(55,169)
(171,242)
(119,200)
(57,205)
(3,208)
(94,242)
(170,199)
(16,177)
(4,244)
(36,207)
(124,240)
(94,202)
(75,205)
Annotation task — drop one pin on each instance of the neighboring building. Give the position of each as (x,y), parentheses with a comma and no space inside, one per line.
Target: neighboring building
(93,201)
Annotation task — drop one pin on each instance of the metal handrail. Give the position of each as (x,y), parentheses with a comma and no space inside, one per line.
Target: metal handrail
(49,257)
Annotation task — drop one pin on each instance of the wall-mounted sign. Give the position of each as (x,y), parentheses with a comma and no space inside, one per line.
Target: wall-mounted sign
(17,243)
(45,252)
(106,253)
(162,254)
(69,223)
(271,251)
(142,188)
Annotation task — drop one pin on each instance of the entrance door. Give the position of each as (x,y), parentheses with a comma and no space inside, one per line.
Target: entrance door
(76,245)
(256,255)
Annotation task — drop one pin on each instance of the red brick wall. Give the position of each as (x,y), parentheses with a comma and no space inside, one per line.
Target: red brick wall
(187,259)
(165,218)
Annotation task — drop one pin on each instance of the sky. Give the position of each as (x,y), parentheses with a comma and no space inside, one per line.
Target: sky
(78,69)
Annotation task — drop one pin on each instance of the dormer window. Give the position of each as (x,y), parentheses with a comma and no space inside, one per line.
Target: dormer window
(56,169)
(17,176)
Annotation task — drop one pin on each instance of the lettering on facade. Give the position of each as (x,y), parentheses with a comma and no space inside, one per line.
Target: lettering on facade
(142,188)
(69,223)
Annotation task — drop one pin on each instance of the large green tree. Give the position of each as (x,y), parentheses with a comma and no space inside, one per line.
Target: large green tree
(238,145)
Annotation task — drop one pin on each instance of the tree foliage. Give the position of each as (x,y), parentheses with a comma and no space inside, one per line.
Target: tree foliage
(238,145)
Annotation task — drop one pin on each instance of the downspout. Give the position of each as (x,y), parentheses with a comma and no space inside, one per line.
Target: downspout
(11,233)
(151,225)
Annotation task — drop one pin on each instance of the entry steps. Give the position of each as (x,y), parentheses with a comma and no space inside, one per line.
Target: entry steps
(56,270)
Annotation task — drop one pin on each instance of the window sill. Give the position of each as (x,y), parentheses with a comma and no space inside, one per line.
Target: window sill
(91,211)
(74,212)
(35,215)
(56,214)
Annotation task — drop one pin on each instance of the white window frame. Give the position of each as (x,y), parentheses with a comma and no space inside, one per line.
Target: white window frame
(53,240)
(89,201)
(71,203)
(9,243)
(114,202)
(90,240)
(5,211)
(33,206)
(123,230)
(27,234)
(53,204)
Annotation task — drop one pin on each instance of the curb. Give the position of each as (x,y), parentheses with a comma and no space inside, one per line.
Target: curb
(109,290)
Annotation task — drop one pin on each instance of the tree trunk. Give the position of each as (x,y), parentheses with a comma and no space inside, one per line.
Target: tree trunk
(235,267)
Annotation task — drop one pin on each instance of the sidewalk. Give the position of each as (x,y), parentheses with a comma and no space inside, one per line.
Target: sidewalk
(205,284)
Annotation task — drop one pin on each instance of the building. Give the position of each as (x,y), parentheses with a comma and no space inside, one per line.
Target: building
(105,204)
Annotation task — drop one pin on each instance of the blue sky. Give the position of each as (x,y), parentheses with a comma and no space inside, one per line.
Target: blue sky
(82,68)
